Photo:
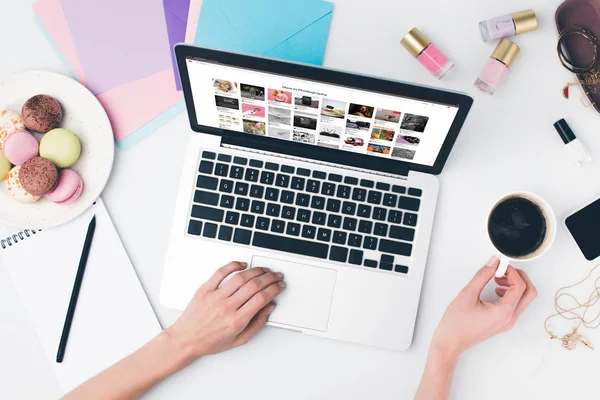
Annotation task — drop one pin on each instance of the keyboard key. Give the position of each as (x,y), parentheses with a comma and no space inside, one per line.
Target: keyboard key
(318,202)
(277,226)
(410,219)
(339,237)
(319,218)
(206,167)
(210,230)
(290,245)
(374,197)
(194,227)
(242,236)
(236,172)
(272,194)
(393,247)
(379,213)
(262,223)
(370,243)
(338,254)
(415,192)
(402,233)
(365,226)
(328,189)
(267,177)
(398,189)
(351,180)
(293,229)
(208,154)
(343,191)
(208,213)
(348,208)
(359,194)
(386,258)
(390,200)
(282,180)
(273,209)
(386,266)
(324,235)
(309,231)
(382,186)
(226,186)
(257,191)
(225,233)
(370,263)
(241,189)
(226,201)
(240,160)
(334,221)
(242,204)
(313,186)
(251,175)
(401,269)
(380,229)
(354,240)
(207,182)
(232,218)
(287,197)
(224,158)
(364,211)
(221,169)
(409,203)
(303,215)
(256,163)
(302,199)
(288,169)
(258,207)
(272,166)
(350,224)
(303,171)
(334,205)
(356,257)
(367,183)
(247,220)
(319,174)
(288,212)
(209,198)
(395,217)
(298,183)
(335,177)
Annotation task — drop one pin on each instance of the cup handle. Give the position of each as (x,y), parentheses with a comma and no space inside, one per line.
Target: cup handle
(501,271)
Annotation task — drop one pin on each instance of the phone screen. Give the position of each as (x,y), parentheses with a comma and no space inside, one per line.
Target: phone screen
(584,225)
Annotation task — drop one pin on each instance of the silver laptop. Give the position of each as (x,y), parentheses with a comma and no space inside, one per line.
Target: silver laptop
(326,176)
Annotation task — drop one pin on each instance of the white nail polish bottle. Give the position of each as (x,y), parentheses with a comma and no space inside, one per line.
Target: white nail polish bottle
(574,146)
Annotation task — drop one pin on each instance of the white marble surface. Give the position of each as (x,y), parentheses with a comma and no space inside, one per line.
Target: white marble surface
(507,144)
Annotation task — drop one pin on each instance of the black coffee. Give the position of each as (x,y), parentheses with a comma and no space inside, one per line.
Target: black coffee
(517,227)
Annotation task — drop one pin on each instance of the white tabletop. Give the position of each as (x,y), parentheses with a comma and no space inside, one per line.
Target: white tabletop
(508,143)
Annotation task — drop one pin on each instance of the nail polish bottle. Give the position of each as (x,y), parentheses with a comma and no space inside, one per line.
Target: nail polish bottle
(574,146)
(427,53)
(495,70)
(508,25)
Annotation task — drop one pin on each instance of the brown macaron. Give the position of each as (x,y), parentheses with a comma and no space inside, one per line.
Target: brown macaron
(38,176)
(41,113)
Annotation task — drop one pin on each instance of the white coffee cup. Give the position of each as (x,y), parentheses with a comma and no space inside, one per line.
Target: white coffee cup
(547,242)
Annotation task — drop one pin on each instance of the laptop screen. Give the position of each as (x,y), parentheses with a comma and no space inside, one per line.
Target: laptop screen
(320,114)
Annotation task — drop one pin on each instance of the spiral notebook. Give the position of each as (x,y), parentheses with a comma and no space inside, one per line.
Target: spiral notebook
(113,317)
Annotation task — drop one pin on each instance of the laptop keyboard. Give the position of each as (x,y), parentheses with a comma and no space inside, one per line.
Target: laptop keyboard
(344,219)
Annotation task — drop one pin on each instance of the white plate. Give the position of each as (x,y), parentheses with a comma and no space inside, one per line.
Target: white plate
(83,115)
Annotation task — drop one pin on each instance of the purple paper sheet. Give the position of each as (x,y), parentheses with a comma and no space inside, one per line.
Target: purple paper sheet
(118,41)
(176,14)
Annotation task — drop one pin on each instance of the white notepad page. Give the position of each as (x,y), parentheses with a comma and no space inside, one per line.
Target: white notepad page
(113,317)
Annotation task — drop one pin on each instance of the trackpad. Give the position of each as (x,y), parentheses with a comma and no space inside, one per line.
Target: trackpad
(306,300)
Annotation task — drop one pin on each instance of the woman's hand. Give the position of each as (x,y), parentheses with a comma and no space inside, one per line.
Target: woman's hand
(222,316)
(469,321)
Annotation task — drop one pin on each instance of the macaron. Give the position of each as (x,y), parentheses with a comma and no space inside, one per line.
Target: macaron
(41,113)
(38,176)
(60,146)
(20,146)
(15,189)
(5,167)
(10,121)
(69,188)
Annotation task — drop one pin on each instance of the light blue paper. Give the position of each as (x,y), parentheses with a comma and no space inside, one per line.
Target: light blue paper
(288,29)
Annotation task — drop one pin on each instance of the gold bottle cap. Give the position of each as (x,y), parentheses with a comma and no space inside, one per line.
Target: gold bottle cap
(525,21)
(506,52)
(415,42)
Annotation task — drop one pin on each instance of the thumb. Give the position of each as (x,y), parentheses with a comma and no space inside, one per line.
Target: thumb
(254,326)
(483,276)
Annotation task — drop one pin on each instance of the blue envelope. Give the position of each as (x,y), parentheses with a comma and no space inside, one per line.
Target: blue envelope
(293,30)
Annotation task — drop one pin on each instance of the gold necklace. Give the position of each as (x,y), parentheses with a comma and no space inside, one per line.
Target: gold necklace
(570,340)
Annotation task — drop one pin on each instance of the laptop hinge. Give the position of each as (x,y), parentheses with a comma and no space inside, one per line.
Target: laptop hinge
(308,160)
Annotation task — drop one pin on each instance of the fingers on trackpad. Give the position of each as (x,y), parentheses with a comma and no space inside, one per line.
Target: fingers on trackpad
(306,300)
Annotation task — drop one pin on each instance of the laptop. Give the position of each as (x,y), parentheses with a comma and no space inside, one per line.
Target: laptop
(326,176)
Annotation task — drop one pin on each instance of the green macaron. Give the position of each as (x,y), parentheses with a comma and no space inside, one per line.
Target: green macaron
(60,146)
(4,166)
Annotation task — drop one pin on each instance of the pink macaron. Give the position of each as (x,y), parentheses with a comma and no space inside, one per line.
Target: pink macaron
(20,146)
(69,188)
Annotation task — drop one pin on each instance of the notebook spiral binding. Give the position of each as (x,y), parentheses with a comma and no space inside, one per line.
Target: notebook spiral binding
(17,237)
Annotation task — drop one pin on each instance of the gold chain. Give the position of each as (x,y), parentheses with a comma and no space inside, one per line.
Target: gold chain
(570,340)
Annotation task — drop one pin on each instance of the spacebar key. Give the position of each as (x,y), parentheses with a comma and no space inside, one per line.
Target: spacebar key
(290,245)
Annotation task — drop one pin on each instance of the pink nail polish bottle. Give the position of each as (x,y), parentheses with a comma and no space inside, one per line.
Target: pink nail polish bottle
(496,69)
(427,53)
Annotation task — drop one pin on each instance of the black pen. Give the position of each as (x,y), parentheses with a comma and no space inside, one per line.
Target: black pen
(76,287)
